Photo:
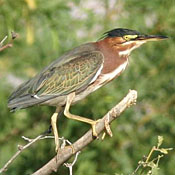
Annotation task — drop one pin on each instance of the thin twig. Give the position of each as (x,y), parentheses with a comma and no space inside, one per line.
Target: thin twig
(1,43)
(20,150)
(42,138)
(70,165)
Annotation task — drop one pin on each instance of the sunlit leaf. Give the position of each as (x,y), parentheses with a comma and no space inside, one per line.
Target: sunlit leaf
(31,4)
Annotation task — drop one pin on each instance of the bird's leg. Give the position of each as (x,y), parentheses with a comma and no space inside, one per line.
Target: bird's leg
(93,123)
(55,132)
(54,127)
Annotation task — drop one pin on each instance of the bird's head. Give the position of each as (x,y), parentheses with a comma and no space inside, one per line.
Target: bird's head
(126,40)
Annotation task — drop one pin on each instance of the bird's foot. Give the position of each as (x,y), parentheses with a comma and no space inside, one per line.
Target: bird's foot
(108,129)
(70,145)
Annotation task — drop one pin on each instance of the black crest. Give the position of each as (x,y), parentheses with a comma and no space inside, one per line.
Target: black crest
(119,32)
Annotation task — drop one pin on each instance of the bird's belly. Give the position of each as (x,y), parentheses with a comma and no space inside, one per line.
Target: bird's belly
(61,100)
(57,101)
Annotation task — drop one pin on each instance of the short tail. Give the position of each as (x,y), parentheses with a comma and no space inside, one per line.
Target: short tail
(26,101)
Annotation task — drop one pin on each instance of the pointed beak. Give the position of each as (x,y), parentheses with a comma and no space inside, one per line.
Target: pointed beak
(151,37)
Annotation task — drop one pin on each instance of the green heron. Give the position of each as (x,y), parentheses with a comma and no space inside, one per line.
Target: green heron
(78,73)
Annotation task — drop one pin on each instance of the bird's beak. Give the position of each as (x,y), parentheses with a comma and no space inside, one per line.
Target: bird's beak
(151,37)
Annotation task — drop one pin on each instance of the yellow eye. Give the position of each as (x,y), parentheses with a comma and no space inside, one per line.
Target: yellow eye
(129,37)
(126,38)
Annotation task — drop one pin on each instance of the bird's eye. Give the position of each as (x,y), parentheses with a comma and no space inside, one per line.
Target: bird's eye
(126,38)
(129,37)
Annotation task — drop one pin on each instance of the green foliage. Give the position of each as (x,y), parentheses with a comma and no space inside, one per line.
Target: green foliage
(49,28)
(151,166)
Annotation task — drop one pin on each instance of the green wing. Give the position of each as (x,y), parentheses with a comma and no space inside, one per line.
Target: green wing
(72,76)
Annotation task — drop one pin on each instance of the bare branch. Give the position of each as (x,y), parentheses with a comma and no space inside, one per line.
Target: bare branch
(10,44)
(64,154)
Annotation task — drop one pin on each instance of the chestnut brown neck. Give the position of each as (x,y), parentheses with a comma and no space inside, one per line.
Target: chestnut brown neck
(112,59)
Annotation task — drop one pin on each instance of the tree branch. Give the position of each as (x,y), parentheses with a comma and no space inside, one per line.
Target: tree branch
(64,154)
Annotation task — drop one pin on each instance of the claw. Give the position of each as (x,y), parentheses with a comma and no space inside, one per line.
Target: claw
(94,132)
(63,145)
(107,127)
(103,136)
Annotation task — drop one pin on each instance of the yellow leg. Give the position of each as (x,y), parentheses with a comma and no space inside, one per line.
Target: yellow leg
(54,127)
(93,123)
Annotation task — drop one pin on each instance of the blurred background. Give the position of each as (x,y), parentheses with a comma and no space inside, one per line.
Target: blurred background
(46,30)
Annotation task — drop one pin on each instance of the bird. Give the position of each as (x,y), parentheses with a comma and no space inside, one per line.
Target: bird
(78,73)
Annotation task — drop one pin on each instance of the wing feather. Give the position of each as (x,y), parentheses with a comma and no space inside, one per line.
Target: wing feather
(73,76)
